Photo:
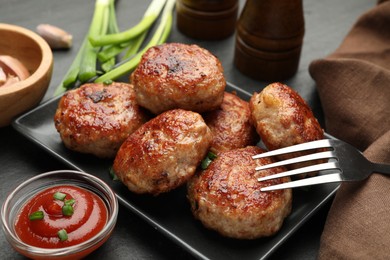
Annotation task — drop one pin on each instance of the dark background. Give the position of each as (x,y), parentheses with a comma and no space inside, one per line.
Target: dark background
(327,23)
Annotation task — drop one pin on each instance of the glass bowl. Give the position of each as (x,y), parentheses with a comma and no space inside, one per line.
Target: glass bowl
(21,194)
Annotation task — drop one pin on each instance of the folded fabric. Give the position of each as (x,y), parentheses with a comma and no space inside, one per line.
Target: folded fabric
(354,88)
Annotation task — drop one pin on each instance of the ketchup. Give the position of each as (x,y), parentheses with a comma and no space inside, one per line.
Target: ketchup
(88,216)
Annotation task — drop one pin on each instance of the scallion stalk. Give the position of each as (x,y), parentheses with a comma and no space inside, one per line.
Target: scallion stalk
(148,19)
(71,76)
(158,37)
(104,26)
(98,27)
(134,47)
(112,50)
(108,53)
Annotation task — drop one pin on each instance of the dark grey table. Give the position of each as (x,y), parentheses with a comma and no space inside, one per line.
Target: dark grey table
(327,22)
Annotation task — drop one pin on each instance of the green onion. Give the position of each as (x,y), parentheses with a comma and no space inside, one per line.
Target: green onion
(67,210)
(69,202)
(104,43)
(62,234)
(71,76)
(107,55)
(112,174)
(112,51)
(211,155)
(149,17)
(98,26)
(37,215)
(206,161)
(158,37)
(135,45)
(59,196)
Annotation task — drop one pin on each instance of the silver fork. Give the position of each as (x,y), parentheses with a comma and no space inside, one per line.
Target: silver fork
(345,163)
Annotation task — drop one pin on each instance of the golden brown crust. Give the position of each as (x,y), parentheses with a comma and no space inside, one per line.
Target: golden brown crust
(282,118)
(226,197)
(163,153)
(175,75)
(231,125)
(97,118)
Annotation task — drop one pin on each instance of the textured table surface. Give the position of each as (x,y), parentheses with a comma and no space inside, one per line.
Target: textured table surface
(326,23)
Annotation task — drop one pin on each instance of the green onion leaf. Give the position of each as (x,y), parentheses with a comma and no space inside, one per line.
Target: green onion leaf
(67,210)
(62,234)
(59,196)
(37,215)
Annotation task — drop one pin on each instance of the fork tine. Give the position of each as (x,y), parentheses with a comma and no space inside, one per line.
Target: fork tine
(323,143)
(327,178)
(304,158)
(307,169)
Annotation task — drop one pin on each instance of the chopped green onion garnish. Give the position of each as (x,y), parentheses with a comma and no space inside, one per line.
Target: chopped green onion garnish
(37,215)
(69,202)
(209,158)
(211,155)
(67,210)
(205,163)
(59,196)
(112,174)
(62,234)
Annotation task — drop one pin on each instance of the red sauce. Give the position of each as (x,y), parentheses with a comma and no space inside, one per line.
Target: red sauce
(88,218)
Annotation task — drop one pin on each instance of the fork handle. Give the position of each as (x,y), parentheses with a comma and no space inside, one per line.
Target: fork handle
(381,168)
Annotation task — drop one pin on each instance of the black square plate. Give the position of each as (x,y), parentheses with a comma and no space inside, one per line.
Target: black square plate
(170,213)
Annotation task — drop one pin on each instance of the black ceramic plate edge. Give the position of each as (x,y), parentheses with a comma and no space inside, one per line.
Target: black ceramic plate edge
(23,125)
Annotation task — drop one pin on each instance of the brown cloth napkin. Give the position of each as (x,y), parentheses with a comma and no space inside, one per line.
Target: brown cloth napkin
(354,87)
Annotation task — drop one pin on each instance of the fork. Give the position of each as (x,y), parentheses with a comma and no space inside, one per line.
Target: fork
(345,163)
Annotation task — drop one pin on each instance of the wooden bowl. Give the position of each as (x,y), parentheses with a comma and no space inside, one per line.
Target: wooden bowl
(33,51)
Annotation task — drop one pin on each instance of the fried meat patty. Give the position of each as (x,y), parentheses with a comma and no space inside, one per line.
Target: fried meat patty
(163,153)
(282,118)
(97,118)
(226,197)
(176,75)
(231,125)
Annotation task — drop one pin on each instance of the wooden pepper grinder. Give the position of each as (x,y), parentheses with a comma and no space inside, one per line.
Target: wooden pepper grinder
(207,19)
(269,39)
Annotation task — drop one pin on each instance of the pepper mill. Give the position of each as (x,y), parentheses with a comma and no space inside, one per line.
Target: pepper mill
(269,39)
(207,19)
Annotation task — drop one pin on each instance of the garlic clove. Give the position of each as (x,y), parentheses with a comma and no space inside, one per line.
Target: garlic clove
(55,37)
(3,77)
(12,66)
(10,80)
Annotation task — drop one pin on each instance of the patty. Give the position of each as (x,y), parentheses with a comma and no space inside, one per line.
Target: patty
(282,118)
(176,75)
(226,197)
(231,125)
(97,118)
(163,153)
